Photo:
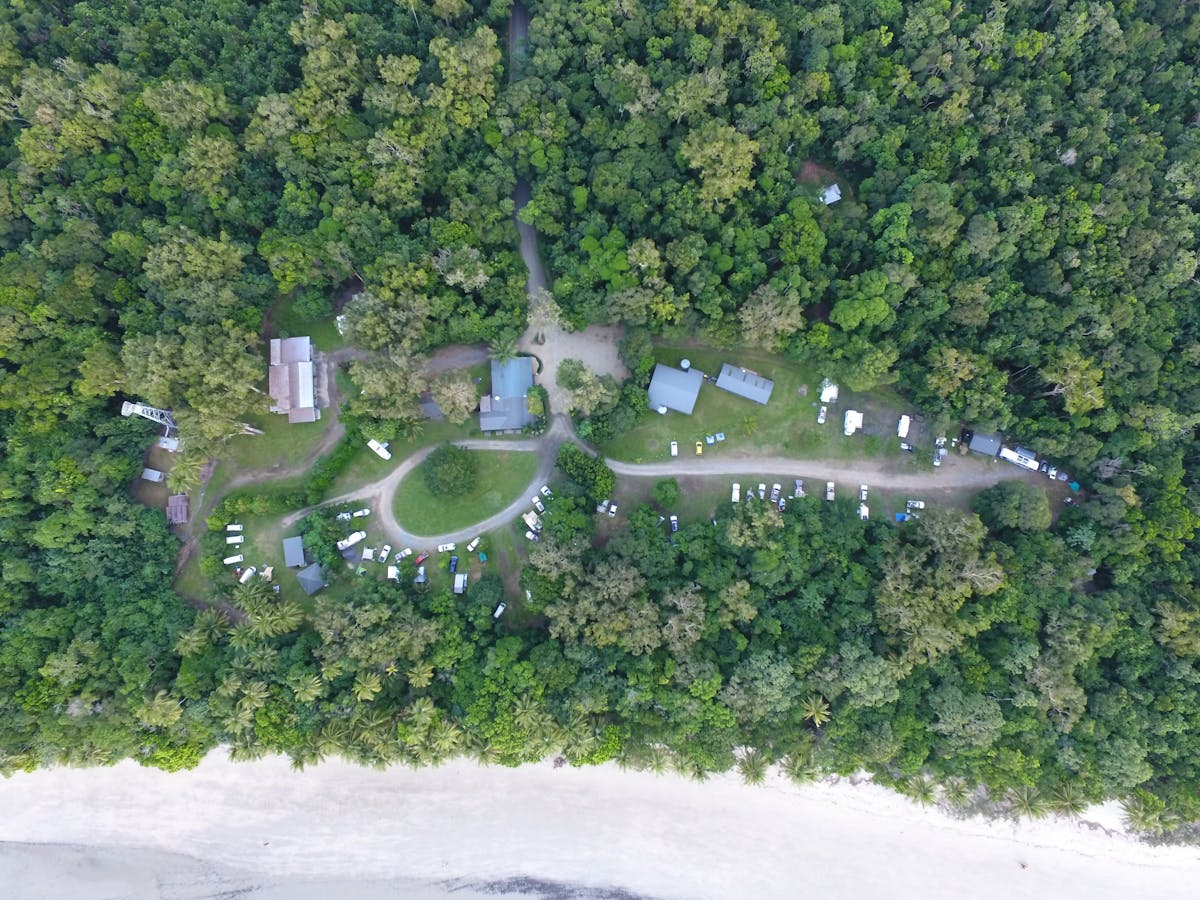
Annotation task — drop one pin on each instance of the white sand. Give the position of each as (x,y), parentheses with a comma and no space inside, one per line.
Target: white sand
(265,831)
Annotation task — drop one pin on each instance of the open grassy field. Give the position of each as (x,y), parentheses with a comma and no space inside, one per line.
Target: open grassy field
(785,426)
(282,445)
(284,322)
(500,478)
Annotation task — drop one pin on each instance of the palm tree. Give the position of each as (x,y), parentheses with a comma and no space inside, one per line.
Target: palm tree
(191,642)
(753,766)
(262,658)
(445,738)
(366,686)
(799,768)
(242,637)
(921,790)
(420,675)
(421,714)
(1148,814)
(815,709)
(503,347)
(1067,802)
(334,737)
(184,476)
(526,712)
(956,793)
(308,688)
(1026,801)
(750,425)
(579,739)
(410,429)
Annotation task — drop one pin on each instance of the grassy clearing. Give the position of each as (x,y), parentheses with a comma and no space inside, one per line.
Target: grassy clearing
(282,445)
(786,426)
(286,323)
(501,476)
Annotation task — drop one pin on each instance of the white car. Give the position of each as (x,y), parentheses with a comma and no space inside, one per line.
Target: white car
(674,524)
(235,528)
(547,493)
(499,610)
(862,493)
(914,504)
(737,493)
(776,488)
(351,540)
(233,560)
(612,510)
(530,536)
(863,512)
(471,546)
(384,553)
(359,513)
(762,491)
(829,490)
(538,505)
(343,517)
(799,492)
(821,416)
(446,548)
(248,574)
(403,554)
(603,507)
(235,539)
(1052,473)
(674,448)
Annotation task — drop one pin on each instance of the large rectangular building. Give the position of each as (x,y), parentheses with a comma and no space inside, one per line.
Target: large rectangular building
(292,379)
(505,407)
(672,388)
(745,383)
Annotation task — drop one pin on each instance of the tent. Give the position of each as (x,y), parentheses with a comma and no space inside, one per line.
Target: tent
(311,579)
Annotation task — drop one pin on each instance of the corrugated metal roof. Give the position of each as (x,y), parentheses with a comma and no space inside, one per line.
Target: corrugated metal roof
(988,444)
(674,388)
(293,551)
(745,383)
(505,409)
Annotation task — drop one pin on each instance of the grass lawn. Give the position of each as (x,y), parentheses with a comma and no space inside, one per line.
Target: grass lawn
(785,426)
(286,323)
(281,445)
(500,478)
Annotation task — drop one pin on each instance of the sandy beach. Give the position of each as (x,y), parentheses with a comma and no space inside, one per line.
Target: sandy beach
(261,830)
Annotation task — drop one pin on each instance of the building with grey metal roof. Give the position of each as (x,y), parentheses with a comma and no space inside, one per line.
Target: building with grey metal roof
(311,579)
(505,408)
(745,383)
(987,444)
(292,379)
(672,388)
(293,551)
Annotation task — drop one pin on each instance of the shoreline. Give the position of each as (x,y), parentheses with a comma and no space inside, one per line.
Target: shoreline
(263,830)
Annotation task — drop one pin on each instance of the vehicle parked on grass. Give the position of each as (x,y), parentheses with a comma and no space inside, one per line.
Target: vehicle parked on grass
(420,579)
(530,536)
(914,504)
(762,491)
(1052,472)
(344,516)
(547,493)
(863,512)
(823,415)
(776,490)
(1044,466)
(351,540)
(674,524)
(235,539)
(737,493)
(907,447)
(538,505)
(799,490)
(360,513)
(862,493)
(384,552)
(499,610)
(420,559)
(380,450)
(235,527)
(368,554)
(403,554)
(782,504)
(829,490)
(471,546)
(612,510)
(446,548)
(248,574)
(699,448)
(602,507)
(453,564)
(674,448)
(233,560)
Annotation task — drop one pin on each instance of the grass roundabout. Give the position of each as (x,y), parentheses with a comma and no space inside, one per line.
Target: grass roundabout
(500,478)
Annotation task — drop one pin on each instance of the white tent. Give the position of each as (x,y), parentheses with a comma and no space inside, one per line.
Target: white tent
(902,428)
(829,391)
(853,422)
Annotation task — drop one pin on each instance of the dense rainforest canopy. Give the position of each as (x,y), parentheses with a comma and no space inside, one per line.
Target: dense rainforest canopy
(1016,247)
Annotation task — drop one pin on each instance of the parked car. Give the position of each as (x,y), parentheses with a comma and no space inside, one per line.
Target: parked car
(799,491)
(446,548)
(1052,472)
(612,510)
(907,447)
(420,579)
(782,505)
(350,541)
(499,610)
(762,491)
(699,448)
(248,574)
(344,516)
(384,552)
(822,415)
(453,564)
(235,527)
(674,524)
(674,448)
(471,546)
(776,489)
(420,559)
(603,507)
(737,493)
(235,539)
(547,493)
(862,493)
(538,505)
(403,554)
(829,490)
(530,536)
(1044,467)
(863,512)
(914,504)
(233,560)
(360,513)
